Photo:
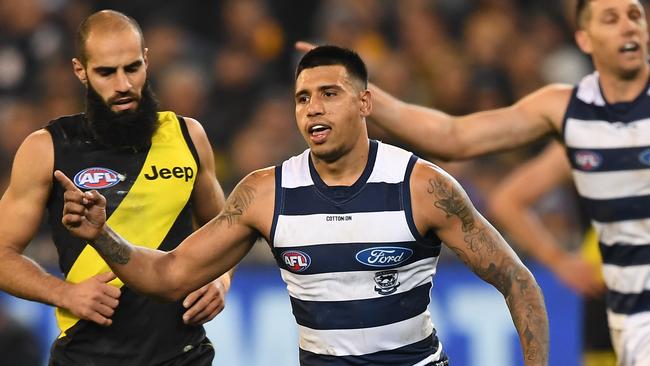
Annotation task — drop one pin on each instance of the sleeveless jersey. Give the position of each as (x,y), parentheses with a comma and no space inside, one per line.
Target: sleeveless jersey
(609,149)
(148,202)
(357,271)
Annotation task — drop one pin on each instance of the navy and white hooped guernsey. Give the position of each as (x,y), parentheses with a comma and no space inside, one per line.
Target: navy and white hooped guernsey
(609,149)
(357,271)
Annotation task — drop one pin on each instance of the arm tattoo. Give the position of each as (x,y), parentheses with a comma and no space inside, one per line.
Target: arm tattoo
(112,246)
(452,203)
(509,276)
(237,204)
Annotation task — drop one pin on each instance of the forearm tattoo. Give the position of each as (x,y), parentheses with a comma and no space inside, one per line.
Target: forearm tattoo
(237,204)
(112,246)
(510,277)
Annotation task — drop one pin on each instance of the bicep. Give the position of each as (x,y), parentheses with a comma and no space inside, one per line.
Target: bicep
(220,244)
(22,204)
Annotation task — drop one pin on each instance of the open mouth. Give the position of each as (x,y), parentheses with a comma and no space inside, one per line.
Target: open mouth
(318,129)
(629,47)
(318,133)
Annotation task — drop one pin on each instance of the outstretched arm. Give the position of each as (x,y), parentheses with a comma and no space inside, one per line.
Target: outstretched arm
(447,137)
(203,256)
(511,203)
(443,136)
(439,203)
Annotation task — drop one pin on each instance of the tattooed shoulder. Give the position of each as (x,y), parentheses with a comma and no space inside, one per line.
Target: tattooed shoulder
(237,204)
(448,197)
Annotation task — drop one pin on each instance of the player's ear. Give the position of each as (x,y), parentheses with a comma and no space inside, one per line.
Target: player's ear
(79,71)
(366,103)
(583,41)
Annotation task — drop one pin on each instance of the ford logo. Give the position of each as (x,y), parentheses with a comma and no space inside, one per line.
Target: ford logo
(383,256)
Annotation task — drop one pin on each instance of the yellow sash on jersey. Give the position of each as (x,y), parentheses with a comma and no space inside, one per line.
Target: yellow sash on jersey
(148,211)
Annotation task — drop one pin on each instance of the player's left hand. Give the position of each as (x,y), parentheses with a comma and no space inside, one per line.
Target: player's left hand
(205,303)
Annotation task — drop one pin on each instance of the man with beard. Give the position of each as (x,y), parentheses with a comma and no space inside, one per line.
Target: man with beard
(157,168)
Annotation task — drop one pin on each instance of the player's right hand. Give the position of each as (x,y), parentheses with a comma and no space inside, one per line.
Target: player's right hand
(93,299)
(84,213)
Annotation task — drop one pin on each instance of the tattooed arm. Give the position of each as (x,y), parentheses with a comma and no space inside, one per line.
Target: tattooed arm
(203,256)
(440,204)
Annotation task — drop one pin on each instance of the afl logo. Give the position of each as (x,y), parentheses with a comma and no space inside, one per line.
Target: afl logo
(296,260)
(383,256)
(97,178)
(644,157)
(588,160)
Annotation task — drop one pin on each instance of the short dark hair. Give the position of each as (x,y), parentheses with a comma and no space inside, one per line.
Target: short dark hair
(334,55)
(582,13)
(102,18)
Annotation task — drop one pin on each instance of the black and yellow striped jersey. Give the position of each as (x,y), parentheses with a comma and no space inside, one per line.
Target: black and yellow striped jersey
(148,202)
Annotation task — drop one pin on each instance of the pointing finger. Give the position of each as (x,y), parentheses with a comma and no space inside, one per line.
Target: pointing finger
(65,182)
(304,46)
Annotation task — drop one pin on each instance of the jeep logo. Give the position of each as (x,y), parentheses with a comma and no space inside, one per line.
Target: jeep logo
(185,172)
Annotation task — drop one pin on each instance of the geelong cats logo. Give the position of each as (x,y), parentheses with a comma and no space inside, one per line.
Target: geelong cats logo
(386,282)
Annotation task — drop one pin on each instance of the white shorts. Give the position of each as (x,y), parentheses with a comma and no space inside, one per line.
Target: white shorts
(632,342)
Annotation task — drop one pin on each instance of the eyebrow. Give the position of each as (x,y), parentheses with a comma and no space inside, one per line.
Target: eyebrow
(320,88)
(110,69)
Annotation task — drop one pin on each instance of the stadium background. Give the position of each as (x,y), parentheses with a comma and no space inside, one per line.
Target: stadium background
(230,63)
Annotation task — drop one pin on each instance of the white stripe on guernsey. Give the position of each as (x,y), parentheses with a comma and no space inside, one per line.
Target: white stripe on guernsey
(605,135)
(589,90)
(628,322)
(386,227)
(616,184)
(633,232)
(295,171)
(628,279)
(431,358)
(390,164)
(355,285)
(616,320)
(632,343)
(355,342)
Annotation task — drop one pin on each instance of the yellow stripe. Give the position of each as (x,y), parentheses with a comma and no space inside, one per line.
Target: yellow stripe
(591,250)
(148,211)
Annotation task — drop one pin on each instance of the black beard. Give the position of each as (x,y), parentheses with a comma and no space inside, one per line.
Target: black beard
(126,129)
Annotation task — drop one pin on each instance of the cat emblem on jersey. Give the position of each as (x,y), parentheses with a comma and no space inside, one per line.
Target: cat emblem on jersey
(386,282)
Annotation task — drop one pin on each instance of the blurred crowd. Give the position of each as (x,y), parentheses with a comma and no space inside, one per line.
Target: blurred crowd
(230,65)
